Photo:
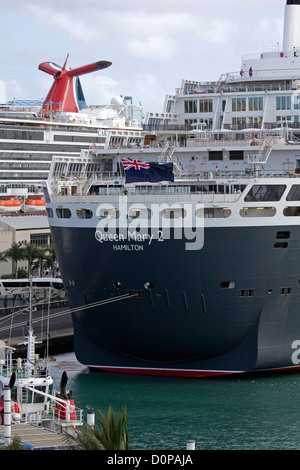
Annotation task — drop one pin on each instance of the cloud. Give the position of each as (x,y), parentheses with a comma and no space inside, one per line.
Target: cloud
(66,22)
(216,31)
(153,47)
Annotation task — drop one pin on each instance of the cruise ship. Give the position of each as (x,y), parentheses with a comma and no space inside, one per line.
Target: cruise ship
(181,257)
(31,131)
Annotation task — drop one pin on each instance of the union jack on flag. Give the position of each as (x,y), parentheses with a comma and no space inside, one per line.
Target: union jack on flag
(136,164)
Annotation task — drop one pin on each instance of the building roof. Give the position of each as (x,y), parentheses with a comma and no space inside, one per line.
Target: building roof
(24,222)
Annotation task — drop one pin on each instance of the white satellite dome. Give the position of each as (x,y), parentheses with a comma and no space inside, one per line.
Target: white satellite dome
(116,101)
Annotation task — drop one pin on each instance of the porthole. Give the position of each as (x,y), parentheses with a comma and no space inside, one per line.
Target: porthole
(246,293)
(280,245)
(282,235)
(149,285)
(117,285)
(286,290)
(227,285)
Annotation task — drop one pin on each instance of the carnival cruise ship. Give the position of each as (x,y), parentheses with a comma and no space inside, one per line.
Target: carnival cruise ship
(181,257)
(63,124)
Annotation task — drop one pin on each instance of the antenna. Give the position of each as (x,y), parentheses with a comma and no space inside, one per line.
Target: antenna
(65,94)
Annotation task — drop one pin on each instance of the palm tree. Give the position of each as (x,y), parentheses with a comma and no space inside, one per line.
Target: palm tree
(30,251)
(14,445)
(3,256)
(50,257)
(16,253)
(111,435)
(41,257)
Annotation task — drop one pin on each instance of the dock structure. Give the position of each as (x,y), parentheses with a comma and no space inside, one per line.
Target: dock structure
(33,437)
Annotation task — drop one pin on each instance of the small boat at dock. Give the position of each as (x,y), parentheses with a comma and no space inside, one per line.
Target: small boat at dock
(27,395)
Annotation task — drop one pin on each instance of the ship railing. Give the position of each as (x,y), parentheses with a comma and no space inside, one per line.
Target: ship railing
(233,82)
(106,183)
(55,410)
(19,367)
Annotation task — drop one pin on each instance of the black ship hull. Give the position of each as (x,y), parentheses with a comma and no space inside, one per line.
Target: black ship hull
(231,307)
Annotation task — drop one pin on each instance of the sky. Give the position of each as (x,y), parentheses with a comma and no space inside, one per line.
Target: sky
(152,45)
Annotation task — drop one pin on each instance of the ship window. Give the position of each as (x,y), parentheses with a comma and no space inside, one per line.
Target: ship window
(257,212)
(190,106)
(60,168)
(283,102)
(213,213)
(205,106)
(140,212)
(292,211)
(294,193)
(227,285)
(280,245)
(64,191)
(246,293)
(281,235)
(236,155)
(63,213)
(109,213)
(175,213)
(84,213)
(74,169)
(215,155)
(49,212)
(238,104)
(265,192)
(255,104)
(286,290)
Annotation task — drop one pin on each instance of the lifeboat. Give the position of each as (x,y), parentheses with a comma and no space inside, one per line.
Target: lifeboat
(10,205)
(35,205)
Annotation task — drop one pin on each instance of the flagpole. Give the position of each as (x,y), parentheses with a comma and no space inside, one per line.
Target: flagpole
(121,166)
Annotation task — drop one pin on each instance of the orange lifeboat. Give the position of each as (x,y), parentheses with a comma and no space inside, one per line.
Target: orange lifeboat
(35,205)
(10,205)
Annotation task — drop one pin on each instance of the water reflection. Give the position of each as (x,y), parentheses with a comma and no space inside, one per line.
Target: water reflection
(238,413)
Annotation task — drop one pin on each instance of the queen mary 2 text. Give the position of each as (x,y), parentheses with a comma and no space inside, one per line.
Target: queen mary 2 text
(144,223)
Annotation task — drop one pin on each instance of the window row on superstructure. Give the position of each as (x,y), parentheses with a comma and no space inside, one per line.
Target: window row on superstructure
(206,213)
(222,110)
(241,104)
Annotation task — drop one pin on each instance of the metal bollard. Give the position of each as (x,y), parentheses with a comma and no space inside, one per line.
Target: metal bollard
(91,418)
(190,445)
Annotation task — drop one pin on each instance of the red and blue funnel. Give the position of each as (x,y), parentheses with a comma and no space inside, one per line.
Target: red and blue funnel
(66,94)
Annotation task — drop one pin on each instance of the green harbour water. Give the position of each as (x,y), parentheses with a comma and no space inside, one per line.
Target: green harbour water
(256,412)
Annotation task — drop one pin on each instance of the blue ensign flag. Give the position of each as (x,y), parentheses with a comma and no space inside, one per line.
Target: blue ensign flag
(143,172)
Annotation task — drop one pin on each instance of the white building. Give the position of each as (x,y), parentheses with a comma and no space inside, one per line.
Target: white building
(14,229)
